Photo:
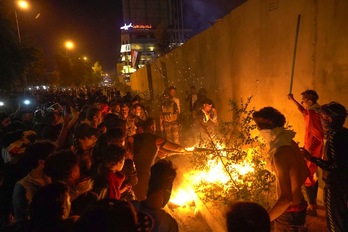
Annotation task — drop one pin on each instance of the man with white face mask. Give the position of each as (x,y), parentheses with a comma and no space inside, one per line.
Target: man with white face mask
(284,158)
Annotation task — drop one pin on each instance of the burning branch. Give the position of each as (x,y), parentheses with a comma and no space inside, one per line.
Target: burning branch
(217,152)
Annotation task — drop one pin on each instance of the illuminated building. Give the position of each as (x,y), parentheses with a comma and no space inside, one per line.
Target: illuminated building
(144,20)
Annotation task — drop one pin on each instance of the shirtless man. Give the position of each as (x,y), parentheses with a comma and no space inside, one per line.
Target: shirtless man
(284,157)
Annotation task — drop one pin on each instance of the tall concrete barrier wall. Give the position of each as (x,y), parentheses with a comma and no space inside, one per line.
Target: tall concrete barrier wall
(249,53)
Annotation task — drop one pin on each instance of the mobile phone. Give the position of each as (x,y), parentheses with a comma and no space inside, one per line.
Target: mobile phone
(64,110)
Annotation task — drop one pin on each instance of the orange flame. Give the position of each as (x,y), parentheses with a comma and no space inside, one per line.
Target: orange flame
(190,148)
(182,197)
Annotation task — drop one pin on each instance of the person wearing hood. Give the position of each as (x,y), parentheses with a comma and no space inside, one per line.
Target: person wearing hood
(289,167)
(335,165)
(313,142)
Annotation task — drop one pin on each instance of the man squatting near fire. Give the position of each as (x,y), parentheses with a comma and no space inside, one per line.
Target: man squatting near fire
(313,142)
(285,160)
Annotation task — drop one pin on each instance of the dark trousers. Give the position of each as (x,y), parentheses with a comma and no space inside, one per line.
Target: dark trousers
(292,221)
(312,193)
(336,200)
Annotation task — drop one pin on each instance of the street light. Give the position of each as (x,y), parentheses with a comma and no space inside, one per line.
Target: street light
(69,45)
(24,6)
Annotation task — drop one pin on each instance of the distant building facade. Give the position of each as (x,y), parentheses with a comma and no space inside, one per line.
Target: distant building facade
(151,28)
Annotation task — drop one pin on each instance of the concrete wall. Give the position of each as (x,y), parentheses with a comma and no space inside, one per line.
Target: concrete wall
(250,51)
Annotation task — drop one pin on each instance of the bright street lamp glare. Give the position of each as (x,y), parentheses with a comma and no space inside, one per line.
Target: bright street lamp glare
(23,4)
(27,102)
(69,45)
(2,103)
(85,58)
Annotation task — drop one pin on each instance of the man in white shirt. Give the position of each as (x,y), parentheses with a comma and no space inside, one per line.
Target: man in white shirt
(172,92)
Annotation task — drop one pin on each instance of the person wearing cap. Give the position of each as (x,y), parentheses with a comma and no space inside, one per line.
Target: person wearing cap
(334,165)
(313,142)
(285,160)
(86,138)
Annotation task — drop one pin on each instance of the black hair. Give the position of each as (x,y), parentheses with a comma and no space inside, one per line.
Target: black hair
(108,117)
(38,151)
(112,155)
(148,123)
(115,134)
(91,112)
(310,95)
(59,165)
(116,123)
(171,88)
(162,176)
(108,215)
(247,216)
(136,98)
(269,118)
(337,112)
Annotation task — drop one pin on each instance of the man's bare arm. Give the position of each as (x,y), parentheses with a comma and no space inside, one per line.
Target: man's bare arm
(299,106)
(282,168)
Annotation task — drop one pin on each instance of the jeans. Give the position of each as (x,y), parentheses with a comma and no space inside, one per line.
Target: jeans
(292,221)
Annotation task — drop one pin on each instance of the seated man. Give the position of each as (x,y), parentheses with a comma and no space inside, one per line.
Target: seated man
(285,160)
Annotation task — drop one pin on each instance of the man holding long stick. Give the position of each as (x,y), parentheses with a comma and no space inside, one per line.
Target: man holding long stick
(313,142)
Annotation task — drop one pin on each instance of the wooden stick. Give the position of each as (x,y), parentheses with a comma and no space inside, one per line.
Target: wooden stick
(294,56)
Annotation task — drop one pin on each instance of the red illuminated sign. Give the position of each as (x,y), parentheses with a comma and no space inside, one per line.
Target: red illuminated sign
(147,26)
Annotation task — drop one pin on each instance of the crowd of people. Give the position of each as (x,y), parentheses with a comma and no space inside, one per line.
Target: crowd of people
(88,160)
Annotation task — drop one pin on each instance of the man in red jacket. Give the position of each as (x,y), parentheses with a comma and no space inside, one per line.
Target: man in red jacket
(313,142)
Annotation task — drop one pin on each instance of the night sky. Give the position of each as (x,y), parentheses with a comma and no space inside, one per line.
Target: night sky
(94,25)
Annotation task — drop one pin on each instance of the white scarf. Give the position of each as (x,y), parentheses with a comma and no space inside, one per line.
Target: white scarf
(316,107)
(275,138)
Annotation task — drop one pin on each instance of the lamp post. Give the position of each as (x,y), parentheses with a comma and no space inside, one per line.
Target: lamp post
(20,5)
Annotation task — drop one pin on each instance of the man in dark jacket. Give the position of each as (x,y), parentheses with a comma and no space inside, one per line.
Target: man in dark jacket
(334,165)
